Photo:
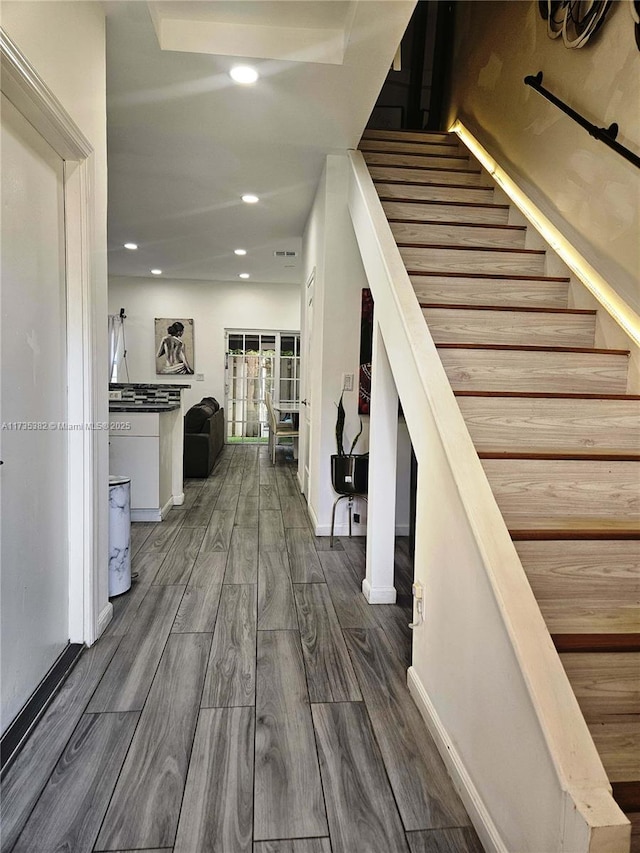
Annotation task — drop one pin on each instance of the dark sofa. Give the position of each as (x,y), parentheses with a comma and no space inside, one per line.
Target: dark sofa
(203,437)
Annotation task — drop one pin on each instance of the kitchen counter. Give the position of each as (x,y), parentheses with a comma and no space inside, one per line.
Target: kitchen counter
(146,444)
(117,406)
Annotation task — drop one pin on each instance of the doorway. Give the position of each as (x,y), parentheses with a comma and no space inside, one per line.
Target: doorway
(257,363)
(33,408)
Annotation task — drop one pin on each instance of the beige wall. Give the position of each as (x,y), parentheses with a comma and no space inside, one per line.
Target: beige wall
(589,192)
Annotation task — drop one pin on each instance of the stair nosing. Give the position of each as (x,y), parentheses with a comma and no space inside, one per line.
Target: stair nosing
(440,202)
(548,395)
(589,455)
(627,795)
(504,249)
(564,534)
(449,224)
(444,143)
(525,309)
(432,184)
(491,276)
(413,153)
(595,642)
(532,348)
(420,168)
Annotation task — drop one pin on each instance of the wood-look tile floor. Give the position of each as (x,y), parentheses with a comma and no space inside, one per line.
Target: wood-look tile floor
(244,699)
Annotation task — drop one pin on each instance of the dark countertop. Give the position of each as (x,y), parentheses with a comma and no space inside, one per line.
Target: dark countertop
(117,406)
(113,385)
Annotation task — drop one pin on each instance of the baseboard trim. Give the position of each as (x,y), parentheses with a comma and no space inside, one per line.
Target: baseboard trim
(480,817)
(379,594)
(106,615)
(178,500)
(19,730)
(146,515)
(165,509)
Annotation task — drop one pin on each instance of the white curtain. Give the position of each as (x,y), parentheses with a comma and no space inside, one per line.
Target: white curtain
(115,324)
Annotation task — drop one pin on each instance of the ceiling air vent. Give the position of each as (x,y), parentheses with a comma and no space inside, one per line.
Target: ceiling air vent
(279,253)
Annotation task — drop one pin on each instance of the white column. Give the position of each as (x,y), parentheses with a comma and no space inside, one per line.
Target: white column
(378,585)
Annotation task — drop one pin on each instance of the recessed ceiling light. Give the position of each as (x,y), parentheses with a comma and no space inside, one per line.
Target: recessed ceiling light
(156,272)
(131,246)
(239,251)
(249,198)
(243,275)
(243,74)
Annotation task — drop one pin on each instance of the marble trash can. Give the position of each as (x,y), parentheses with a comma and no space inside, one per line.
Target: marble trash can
(119,535)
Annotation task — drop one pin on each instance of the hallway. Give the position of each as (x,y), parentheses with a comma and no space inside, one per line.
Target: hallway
(243,696)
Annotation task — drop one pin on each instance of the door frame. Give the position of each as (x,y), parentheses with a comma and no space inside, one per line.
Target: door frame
(304,468)
(277,334)
(23,86)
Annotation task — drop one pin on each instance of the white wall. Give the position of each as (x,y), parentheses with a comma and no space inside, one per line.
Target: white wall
(214,307)
(330,246)
(589,191)
(65,42)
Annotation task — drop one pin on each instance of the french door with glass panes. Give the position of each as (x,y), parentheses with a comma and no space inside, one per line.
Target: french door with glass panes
(257,363)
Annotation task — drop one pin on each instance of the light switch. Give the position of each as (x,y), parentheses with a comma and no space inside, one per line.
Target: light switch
(347,381)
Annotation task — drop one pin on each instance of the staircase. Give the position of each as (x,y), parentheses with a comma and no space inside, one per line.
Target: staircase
(548,413)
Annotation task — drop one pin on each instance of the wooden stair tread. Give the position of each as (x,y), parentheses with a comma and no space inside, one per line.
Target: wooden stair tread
(520,308)
(580,617)
(491,276)
(432,168)
(412,153)
(397,182)
(446,224)
(588,591)
(533,348)
(606,684)
(450,203)
(550,395)
(400,133)
(618,744)
(461,247)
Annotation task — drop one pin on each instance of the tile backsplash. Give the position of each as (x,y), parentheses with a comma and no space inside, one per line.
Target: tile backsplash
(139,393)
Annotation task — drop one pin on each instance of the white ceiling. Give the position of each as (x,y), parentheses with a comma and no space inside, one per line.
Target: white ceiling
(185,142)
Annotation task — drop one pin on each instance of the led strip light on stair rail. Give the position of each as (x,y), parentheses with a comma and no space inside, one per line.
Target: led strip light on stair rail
(627,318)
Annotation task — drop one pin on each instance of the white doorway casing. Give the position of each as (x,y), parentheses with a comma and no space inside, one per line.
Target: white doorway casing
(304,471)
(27,91)
(34,627)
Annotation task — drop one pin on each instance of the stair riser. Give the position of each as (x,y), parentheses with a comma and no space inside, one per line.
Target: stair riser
(425,192)
(433,136)
(472,260)
(604,684)
(518,422)
(451,325)
(440,211)
(464,291)
(550,372)
(425,176)
(432,161)
(457,235)
(531,488)
(394,145)
(605,571)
